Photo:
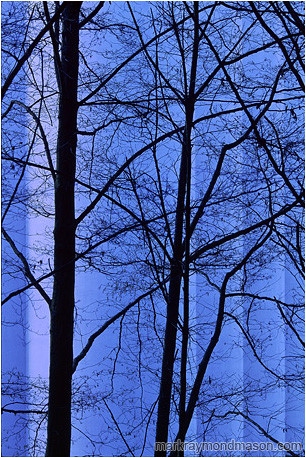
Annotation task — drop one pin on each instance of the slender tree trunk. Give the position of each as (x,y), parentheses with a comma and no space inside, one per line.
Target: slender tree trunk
(176,272)
(185,329)
(172,318)
(62,307)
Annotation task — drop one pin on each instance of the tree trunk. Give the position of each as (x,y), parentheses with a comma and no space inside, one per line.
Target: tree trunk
(176,272)
(62,307)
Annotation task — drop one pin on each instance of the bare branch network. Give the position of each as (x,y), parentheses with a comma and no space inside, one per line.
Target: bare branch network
(153,227)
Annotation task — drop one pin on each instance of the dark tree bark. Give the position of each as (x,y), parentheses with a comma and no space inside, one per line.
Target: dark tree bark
(176,272)
(62,307)
(172,314)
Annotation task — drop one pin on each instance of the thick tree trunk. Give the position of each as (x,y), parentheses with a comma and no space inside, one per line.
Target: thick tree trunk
(62,307)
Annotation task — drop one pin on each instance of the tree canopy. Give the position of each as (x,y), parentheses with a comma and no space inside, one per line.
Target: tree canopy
(152,197)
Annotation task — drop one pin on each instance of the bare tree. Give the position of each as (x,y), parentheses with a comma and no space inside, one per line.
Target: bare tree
(173,178)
